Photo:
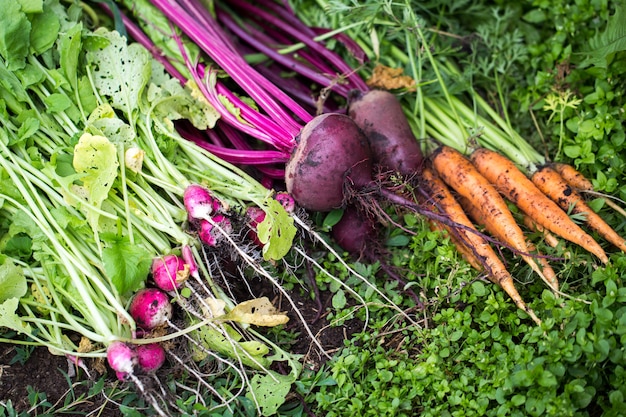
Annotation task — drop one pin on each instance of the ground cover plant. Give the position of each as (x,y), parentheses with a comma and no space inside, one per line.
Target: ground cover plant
(470,351)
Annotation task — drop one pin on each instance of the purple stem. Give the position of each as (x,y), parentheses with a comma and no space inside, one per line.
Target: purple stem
(260,42)
(265,94)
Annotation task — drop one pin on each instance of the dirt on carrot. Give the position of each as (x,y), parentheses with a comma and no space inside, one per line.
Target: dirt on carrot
(554,186)
(475,247)
(520,190)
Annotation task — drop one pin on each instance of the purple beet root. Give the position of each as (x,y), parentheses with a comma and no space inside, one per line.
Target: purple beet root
(331,150)
(380,116)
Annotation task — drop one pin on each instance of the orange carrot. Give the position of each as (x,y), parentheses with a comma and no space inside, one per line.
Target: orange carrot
(554,186)
(474,213)
(572,176)
(548,237)
(459,173)
(520,190)
(478,248)
(578,181)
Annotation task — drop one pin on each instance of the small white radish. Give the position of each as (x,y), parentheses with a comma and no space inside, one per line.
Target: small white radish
(122,358)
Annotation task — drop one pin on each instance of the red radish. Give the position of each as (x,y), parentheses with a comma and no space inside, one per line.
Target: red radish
(380,116)
(331,148)
(199,202)
(150,307)
(150,357)
(209,234)
(122,358)
(255,215)
(169,272)
(286,200)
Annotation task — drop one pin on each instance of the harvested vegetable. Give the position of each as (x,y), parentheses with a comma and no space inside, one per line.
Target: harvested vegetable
(479,249)
(521,191)
(554,186)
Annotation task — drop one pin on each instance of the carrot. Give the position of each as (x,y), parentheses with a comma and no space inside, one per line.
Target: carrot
(475,246)
(554,186)
(459,173)
(548,237)
(572,176)
(578,181)
(474,213)
(520,190)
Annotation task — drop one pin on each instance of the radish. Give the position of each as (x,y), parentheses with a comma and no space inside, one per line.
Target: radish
(208,232)
(169,272)
(150,357)
(254,216)
(150,308)
(122,358)
(380,116)
(199,202)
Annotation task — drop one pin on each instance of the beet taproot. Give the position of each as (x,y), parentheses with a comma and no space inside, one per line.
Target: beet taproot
(330,150)
(379,114)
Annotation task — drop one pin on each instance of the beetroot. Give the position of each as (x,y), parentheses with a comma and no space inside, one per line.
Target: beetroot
(354,231)
(380,116)
(330,149)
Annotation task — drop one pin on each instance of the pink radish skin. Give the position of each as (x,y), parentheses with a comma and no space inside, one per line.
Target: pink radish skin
(287,201)
(331,149)
(209,234)
(255,215)
(121,358)
(199,202)
(150,357)
(169,272)
(151,308)
(380,116)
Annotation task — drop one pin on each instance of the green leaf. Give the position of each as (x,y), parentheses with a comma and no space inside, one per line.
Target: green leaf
(269,391)
(9,319)
(96,158)
(45,30)
(276,231)
(70,44)
(14,35)
(12,281)
(126,264)
(605,45)
(121,71)
(57,103)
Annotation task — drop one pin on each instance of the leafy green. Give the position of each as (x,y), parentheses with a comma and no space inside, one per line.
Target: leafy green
(603,47)
(95,157)
(276,231)
(14,35)
(126,263)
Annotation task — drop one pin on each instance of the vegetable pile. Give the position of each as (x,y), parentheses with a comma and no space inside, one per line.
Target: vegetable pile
(149,168)
(370,153)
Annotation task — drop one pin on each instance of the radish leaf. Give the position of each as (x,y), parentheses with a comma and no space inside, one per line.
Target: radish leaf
(276,231)
(121,71)
(258,311)
(269,391)
(126,264)
(96,158)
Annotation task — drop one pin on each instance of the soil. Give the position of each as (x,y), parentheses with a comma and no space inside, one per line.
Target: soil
(46,373)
